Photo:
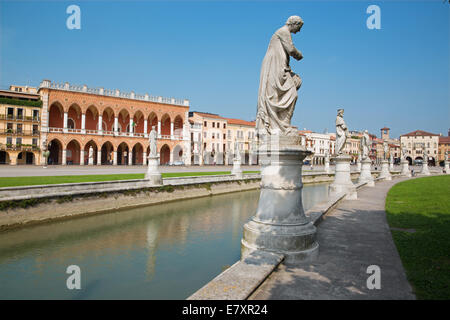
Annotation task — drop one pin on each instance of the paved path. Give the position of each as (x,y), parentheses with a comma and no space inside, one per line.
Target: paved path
(352,237)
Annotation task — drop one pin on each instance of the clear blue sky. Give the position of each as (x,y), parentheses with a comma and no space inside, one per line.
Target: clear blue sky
(211,54)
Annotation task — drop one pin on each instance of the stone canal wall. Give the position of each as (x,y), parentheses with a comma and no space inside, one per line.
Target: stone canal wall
(84,199)
(20,206)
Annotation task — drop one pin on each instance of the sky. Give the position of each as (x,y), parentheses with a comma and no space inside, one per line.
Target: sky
(210,52)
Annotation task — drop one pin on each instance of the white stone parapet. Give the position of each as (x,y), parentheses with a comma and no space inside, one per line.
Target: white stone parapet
(112,93)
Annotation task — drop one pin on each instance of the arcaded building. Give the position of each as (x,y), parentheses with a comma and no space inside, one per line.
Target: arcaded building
(114,123)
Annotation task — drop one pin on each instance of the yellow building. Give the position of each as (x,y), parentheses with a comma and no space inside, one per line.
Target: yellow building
(20,126)
(243,132)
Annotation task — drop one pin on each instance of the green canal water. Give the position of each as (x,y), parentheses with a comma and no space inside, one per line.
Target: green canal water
(165,251)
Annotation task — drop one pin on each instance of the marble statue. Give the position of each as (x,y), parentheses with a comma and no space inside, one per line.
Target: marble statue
(278,85)
(385,149)
(365,145)
(341,132)
(237,154)
(404,153)
(91,153)
(152,142)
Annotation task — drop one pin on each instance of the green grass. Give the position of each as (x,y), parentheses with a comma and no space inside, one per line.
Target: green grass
(424,205)
(28,181)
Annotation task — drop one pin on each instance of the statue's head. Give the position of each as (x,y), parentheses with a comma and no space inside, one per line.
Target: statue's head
(340,112)
(294,23)
(153,128)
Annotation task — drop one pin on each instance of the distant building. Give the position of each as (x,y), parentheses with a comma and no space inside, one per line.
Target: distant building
(444,145)
(215,137)
(20,116)
(416,142)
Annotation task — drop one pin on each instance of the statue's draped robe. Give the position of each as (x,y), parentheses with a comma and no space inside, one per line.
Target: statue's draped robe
(278,86)
(341,134)
(153,151)
(365,146)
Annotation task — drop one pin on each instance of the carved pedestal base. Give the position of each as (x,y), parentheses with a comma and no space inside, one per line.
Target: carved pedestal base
(153,174)
(385,174)
(405,169)
(425,171)
(447,167)
(237,171)
(280,224)
(342,180)
(366,174)
(358,166)
(327,167)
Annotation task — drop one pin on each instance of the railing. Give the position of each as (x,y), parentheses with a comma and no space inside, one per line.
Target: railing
(18,118)
(114,93)
(20,132)
(18,147)
(109,133)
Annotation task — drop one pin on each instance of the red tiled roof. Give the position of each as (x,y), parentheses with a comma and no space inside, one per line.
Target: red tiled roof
(209,115)
(241,122)
(444,139)
(419,133)
(385,128)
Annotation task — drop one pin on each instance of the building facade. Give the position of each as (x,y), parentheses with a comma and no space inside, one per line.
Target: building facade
(417,142)
(113,123)
(444,146)
(20,116)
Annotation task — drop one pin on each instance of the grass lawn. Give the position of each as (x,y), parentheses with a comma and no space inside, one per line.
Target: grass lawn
(423,204)
(28,181)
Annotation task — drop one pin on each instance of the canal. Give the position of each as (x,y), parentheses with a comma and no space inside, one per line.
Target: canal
(165,251)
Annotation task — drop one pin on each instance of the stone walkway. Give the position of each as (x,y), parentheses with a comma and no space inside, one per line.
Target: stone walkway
(352,237)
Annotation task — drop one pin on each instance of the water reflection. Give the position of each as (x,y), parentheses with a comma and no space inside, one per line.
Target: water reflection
(158,252)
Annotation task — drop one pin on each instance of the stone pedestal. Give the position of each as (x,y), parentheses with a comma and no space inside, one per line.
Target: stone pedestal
(425,170)
(91,161)
(327,166)
(237,171)
(358,166)
(366,174)
(342,179)
(385,174)
(391,166)
(447,167)
(405,169)
(153,174)
(280,224)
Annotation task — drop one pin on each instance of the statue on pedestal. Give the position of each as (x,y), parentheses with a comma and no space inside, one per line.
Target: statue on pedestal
(278,85)
(153,174)
(341,132)
(279,224)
